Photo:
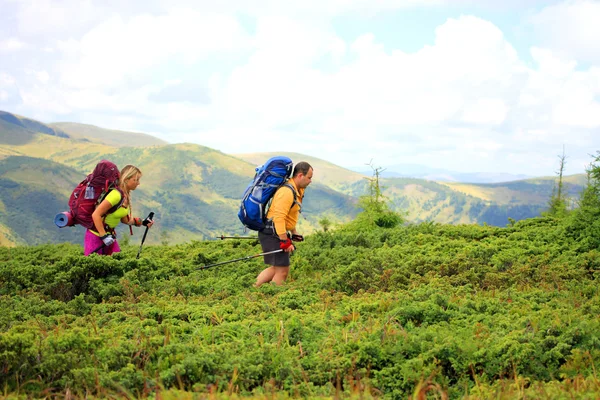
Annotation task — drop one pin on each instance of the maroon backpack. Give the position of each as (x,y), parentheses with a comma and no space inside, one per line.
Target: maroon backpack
(88,194)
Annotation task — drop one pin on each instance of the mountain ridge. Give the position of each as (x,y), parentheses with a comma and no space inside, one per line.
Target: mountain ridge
(112,137)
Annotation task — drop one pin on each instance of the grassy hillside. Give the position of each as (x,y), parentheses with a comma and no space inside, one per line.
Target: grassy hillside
(32,192)
(7,238)
(460,203)
(110,137)
(521,192)
(66,151)
(194,191)
(31,125)
(14,135)
(24,137)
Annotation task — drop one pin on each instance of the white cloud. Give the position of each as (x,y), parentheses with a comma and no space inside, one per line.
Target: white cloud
(552,65)
(41,76)
(6,79)
(301,9)
(561,94)
(466,98)
(486,112)
(119,49)
(378,89)
(11,44)
(41,17)
(570,29)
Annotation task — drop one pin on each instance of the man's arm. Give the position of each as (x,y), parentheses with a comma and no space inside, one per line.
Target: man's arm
(280,207)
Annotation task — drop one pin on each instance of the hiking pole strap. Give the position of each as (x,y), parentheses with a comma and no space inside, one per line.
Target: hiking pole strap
(240,259)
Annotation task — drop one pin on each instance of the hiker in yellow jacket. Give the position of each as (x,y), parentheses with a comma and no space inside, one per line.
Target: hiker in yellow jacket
(280,229)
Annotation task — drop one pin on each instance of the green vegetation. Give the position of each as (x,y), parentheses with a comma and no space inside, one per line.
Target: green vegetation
(375,208)
(370,310)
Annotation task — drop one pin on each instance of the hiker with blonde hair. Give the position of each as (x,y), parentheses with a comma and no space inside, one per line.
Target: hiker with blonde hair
(102,239)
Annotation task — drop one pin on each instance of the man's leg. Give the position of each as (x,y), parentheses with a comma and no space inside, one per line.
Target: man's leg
(265,276)
(280,275)
(278,262)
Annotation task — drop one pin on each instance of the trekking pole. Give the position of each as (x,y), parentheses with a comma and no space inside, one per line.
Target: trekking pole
(148,218)
(95,251)
(237,237)
(240,259)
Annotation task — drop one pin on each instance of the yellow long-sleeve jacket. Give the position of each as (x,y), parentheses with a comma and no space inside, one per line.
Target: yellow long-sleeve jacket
(283,211)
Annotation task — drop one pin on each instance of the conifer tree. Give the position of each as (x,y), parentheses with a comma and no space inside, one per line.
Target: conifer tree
(375,205)
(558,200)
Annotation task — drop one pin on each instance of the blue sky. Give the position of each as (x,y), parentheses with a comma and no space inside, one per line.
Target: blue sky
(464,85)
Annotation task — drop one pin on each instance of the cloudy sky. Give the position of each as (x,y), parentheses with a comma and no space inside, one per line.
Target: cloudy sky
(464,85)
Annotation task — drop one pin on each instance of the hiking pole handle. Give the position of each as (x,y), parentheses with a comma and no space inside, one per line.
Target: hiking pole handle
(241,259)
(148,218)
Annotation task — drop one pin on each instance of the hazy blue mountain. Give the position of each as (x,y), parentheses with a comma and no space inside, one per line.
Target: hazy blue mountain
(437,174)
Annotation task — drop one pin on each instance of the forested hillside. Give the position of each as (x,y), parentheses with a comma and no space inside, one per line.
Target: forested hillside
(460,203)
(373,308)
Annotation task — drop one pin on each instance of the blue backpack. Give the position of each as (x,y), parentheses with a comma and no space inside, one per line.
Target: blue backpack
(268,178)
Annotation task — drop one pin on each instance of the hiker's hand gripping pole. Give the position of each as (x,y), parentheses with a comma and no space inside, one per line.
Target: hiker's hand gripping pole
(108,238)
(240,259)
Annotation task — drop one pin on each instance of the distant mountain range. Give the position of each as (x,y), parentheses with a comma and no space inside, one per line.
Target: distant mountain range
(442,175)
(195,190)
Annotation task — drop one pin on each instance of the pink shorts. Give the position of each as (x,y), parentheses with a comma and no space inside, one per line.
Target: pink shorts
(92,242)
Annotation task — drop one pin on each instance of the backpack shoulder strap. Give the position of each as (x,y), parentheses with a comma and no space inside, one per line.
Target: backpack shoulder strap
(120,203)
(116,206)
(295,196)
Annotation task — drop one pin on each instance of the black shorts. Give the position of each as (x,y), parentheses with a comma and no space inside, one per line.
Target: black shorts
(270,242)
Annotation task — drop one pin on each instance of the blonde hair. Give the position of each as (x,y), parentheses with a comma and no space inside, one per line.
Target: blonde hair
(128,172)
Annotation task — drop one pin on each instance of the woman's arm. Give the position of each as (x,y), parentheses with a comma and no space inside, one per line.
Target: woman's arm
(98,214)
(131,221)
(135,221)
